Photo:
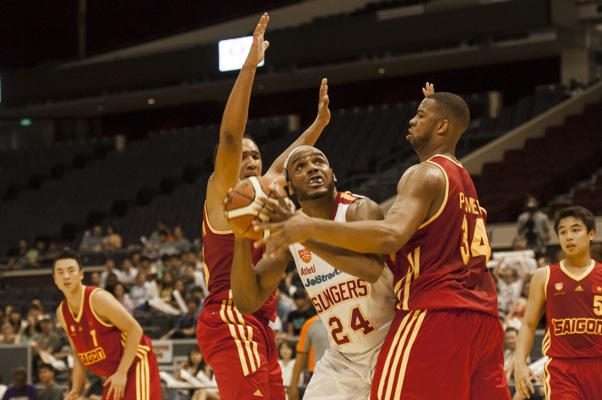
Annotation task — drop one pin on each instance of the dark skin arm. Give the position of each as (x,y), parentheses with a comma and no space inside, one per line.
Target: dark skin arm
(251,287)
(420,193)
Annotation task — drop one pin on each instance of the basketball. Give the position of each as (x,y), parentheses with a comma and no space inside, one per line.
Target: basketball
(241,204)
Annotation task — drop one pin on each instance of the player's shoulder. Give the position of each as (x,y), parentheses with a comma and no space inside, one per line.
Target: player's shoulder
(363,208)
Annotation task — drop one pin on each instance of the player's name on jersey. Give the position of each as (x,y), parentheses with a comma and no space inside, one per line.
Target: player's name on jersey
(469,204)
(316,280)
(340,292)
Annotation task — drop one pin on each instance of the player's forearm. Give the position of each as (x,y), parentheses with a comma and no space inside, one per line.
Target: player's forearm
(79,375)
(246,291)
(376,237)
(300,362)
(368,267)
(235,116)
(134,334)
(524,343)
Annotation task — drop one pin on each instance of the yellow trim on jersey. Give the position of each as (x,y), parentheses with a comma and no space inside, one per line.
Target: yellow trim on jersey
(400,350)
(583,275)
(243,337)
(348,196)
(545,285)
(444,202)
(412,274)
(142,378)
(108,325)
(546,379)
(215,231)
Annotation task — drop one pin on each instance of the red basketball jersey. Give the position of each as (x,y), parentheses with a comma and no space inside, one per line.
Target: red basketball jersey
(444,265)
(98,345)
(218,252)
(573,313)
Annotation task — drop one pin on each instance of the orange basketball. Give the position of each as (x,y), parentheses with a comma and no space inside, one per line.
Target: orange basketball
(241,202)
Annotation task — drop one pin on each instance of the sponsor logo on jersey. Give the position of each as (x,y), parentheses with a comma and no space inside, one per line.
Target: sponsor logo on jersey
(339,293)
(579,289)
(577,326)
(308,270)
(258,393)
(305,255)
(316,280)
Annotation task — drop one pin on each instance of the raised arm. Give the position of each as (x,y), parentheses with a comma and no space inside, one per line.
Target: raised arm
(308,138)
(533,312)
(420,193)
(108,309)
(252,286)
(234,120)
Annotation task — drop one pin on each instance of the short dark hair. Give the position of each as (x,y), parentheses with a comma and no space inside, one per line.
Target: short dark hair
(510,329)
(68,253)
(452,106)
(49,367)
(577,212)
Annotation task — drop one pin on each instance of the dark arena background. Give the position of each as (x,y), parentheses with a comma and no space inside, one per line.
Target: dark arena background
(110,113)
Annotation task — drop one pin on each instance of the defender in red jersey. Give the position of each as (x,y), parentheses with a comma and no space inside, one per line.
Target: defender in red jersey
(241,349)
(104,337)
(570,292)
(446,341)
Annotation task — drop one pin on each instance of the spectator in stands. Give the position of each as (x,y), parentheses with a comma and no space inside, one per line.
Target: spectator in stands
(286,359)
(165,286)
(196,367)
(141,291)
(112,280)
(34,314)
(296,318)
(33,255)
(109,269)
(199,294)
(185,327)
(180,243)
(179,293)
(17,254)
(112,240)
(8,335)
(47,341)
(313,342)
(20,389)
(15,319)
(534,227)
(121,294)
(193,277)
(510,277)
(95,279)
(510,336)
(128,272)
(92,240)
(47,388)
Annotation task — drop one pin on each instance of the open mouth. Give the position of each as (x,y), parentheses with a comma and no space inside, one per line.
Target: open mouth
(316,180)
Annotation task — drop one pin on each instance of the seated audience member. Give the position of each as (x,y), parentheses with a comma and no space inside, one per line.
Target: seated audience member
(180,243)
(201,374)
(92,240)
(120,293)
(8,335)
(296,318)
(186,323)
(128,272)
(20,389)
(109,269)
(286,359)
(47,388)
(112,240)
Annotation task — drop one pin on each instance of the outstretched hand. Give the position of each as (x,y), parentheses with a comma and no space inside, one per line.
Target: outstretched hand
(116,383)
(522,380)
(259,46)
(428,89)
(323,101)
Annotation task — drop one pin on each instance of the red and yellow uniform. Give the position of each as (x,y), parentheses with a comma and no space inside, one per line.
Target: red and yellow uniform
(447,324)
(240,348)
(100,348)
(573,339)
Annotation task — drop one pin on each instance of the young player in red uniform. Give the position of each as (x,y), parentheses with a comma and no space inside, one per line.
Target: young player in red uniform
(104,337)
(445,341)
(241,349)
(570,292)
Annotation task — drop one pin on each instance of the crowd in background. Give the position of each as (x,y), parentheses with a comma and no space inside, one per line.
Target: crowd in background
(165,278)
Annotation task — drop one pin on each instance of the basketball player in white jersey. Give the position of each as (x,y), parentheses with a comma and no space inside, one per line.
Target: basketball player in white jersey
(352,292)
